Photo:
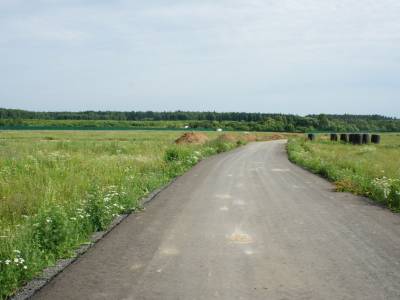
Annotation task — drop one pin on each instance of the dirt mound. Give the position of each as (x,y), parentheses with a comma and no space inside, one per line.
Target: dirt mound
(277,137)
(228,137)
(248,137)
(192,138)
(272,137)
(234,138)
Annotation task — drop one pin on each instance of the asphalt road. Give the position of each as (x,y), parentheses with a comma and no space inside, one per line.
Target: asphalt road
(246,224)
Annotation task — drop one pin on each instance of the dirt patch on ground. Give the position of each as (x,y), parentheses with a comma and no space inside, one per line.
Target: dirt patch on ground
(192,138)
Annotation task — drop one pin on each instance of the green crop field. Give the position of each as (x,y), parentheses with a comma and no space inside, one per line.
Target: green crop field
(58,187)
(370,170)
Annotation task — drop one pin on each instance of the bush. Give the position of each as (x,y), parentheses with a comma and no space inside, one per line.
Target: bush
(221,146)
(51,230)
(102,206)
(171,155)
(177,154)
(394,197)
(13,269)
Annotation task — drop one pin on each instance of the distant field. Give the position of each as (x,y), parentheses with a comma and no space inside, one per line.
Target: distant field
(57,187)
(369,170)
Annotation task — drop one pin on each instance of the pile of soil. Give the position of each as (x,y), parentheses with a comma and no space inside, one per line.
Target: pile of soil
(277,137)
(192,138)
(248,137)
(271,137)
(228,137)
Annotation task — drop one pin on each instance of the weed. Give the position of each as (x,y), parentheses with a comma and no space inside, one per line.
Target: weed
(367,170)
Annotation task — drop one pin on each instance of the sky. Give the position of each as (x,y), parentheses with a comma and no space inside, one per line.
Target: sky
(278,56)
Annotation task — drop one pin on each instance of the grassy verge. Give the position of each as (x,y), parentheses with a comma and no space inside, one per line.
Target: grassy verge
(368,170)
(57,188)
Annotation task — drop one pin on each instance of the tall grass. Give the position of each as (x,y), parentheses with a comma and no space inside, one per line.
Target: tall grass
(368,170)
(56,188)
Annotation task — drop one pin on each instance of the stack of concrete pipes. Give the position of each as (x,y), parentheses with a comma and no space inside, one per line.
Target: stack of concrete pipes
(353,138)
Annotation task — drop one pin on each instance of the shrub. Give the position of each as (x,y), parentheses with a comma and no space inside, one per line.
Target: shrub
(222,146)
(171,154)
(51,229)
(394,196)
(177,154)
(102,206)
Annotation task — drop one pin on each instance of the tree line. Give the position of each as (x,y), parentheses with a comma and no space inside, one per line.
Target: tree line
(10,118)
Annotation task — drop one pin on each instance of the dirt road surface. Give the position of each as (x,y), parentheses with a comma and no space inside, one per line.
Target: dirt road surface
(246,224)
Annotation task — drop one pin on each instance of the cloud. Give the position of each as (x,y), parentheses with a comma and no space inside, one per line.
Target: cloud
(222,23)
(40,29)
(226,49)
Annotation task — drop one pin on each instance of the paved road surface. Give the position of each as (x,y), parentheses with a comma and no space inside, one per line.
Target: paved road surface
(244,225)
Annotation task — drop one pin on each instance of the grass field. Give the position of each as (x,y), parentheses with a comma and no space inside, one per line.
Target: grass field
(369,170)
(58,187)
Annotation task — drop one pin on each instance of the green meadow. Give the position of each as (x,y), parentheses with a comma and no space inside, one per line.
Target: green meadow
(370,170)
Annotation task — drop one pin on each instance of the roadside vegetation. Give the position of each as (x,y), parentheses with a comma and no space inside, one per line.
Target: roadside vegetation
(369,170)
(58,187)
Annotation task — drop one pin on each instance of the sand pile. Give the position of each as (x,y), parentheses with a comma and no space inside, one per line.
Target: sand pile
(192,138)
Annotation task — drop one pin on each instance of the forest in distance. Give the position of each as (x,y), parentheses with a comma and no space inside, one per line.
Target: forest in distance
(241,121)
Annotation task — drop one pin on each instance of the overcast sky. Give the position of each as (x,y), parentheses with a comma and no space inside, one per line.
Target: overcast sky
(290,56)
